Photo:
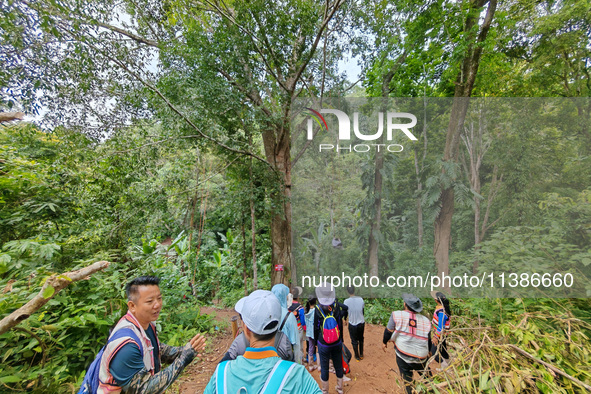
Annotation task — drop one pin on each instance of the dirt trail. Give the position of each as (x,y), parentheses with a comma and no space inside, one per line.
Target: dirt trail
(376,373)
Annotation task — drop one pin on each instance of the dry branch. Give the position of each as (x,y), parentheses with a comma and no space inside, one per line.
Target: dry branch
(550,367)
(464,379)
(10,116)
(53,285)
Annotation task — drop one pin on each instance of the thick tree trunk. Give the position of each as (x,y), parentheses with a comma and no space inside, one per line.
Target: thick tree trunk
(464,85)
(443,232)
(277,150)
(444,219)
(281,246)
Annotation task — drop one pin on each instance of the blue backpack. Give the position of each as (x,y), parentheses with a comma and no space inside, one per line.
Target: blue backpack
(329,327)
(90,383)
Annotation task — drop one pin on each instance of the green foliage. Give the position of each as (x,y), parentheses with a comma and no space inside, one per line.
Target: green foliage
(157,197)
(554,331)
(66,204)
(560,244)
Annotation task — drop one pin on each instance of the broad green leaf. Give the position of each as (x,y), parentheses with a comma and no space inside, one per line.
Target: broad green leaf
(48,292)
(10,379)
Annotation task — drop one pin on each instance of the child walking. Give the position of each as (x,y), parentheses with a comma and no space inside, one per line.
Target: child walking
(310,309)
(441,324)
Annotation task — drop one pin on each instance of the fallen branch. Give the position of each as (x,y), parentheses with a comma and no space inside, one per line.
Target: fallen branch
(53,285)
(550,367)
(465,378)
(10,116)
(468,329)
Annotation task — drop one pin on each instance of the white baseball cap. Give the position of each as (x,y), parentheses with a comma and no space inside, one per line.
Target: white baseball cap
(325,294)
(259,310)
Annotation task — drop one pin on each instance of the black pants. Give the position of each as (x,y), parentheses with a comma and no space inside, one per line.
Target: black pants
(442,354)
(334,353)
(356,333)
(406,371)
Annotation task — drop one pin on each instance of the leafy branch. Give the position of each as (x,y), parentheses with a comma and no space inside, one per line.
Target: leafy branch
(53,285)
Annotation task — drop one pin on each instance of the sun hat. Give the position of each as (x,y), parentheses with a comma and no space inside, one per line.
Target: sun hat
(259,310)
(413,302)
(297,291)
(438,296)
(325,294)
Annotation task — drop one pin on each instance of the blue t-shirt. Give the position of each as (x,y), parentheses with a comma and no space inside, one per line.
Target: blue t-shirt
(129,360)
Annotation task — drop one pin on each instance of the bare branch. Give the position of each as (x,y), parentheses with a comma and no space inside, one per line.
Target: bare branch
(10,116)
(550,367)
(253,38)
(327,19)
(155,143)
(126,33)
(55,282)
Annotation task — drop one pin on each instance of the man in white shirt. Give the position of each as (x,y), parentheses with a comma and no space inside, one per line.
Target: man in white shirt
(356,322)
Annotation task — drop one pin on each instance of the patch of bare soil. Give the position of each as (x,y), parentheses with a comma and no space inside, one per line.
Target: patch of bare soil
(376,373)
(196,376)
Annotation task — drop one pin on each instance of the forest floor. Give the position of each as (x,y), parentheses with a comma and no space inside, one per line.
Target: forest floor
(376,373)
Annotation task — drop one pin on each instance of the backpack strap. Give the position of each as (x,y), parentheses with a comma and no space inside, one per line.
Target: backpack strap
(127,332)
(284,320)
(320,310)
(220,378)
(278,377)
(277,340)
(246,343)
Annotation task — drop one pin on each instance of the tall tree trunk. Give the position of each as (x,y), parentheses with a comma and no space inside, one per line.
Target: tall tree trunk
(464,85)
(278,154)
(244,275)
(373,247)
(192,221)
(419,171)
(255,281)
(252,226)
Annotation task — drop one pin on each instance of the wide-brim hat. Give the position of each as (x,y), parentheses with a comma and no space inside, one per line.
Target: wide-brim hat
(413,302)
(438,296)
(325,294)
(297,291)
(259,310)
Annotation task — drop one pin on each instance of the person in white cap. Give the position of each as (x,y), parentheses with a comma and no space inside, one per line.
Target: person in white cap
(260,370)
(411,333)
(328,332)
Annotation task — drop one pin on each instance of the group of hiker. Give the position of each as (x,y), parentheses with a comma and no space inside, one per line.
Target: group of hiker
(267,356)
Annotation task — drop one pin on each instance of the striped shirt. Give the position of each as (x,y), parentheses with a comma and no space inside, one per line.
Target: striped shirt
(440,321)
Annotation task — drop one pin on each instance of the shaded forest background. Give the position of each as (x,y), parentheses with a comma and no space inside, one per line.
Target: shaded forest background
(163,146)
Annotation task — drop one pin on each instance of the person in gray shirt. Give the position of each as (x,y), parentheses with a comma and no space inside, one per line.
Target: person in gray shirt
(356,322)
(238,347)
